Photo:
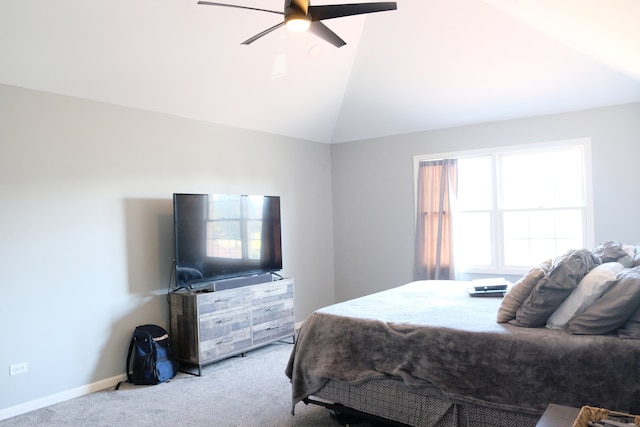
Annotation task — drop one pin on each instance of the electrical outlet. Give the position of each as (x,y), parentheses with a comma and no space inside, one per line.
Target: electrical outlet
(18,368)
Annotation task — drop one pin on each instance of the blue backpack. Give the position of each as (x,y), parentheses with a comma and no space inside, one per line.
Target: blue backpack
(153,362)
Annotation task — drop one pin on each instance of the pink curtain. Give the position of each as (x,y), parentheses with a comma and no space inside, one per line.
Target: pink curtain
(434,222)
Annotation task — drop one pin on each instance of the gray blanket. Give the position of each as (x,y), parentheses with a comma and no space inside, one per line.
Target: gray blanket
(434,333)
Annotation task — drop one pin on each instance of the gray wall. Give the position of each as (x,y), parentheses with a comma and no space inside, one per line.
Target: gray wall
(373,187)
(86,229)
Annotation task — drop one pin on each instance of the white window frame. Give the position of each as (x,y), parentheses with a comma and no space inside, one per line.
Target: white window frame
(497,249)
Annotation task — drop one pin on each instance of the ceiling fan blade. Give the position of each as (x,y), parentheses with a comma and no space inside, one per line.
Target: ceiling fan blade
(329,11)
(322,31)
(208,3)
(264,33)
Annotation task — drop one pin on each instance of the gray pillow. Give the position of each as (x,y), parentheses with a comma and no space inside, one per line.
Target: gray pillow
(554,287)
(520,291)
(610,250)
(631,329)
(612,309)
(590,288)
(636,260)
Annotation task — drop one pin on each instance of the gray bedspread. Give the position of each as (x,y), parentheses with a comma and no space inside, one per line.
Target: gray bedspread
(434,333)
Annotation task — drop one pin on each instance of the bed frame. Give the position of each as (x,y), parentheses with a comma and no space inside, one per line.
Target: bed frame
(390,402)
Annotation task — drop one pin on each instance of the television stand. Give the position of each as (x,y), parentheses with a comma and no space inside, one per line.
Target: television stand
(210,326)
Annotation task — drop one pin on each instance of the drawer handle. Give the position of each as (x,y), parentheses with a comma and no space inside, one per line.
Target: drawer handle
(222,300)
(271,309)
(224,320)
(228,339)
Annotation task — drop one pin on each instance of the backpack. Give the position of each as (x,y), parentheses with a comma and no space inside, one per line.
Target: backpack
(153,361)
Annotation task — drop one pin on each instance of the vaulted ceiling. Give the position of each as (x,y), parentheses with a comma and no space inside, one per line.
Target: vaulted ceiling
(430,64)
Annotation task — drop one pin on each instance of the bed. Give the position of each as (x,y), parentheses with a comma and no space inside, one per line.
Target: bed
(429,354)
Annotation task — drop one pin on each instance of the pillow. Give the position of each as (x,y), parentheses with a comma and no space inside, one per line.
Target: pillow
(612,309)
(609,251)
(631,329)
(627,260)
(520,291)
(554,287)
(636,260)
(590,288)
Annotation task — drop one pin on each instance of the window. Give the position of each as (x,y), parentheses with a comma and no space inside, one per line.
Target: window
(517,206)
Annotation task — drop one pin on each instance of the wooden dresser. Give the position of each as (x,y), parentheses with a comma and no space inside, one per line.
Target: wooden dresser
(210,326)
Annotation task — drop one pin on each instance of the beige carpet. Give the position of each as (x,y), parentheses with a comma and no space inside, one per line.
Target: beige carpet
(240,391)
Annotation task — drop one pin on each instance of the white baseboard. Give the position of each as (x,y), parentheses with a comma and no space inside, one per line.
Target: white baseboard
(60,397)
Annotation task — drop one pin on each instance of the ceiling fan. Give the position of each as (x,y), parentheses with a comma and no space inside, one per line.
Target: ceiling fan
(299,15)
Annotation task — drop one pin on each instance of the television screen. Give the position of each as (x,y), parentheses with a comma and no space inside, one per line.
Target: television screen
(219,236)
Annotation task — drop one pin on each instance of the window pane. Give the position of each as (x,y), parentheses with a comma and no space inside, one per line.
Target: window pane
(473,239)
(530,237)
(541,179)
(474,183)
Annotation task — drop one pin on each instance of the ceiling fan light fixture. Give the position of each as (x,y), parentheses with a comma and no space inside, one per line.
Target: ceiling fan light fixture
(297,22)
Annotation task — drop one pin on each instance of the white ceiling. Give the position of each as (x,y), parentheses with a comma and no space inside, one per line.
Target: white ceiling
(430,64)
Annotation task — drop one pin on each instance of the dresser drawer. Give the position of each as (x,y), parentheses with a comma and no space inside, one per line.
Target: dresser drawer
(272,292)
(273,330)
(217,325)
(221,301)
(270,312)
(219,347)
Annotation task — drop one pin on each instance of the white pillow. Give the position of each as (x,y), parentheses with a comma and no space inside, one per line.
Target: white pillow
(590,288)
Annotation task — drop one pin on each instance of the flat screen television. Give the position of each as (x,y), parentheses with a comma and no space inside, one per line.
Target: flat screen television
(222,236)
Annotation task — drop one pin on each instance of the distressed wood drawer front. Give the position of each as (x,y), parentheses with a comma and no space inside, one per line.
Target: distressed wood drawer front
(227,344)
(217,325)
(272,291)
(267,313)
(224,300)
(274,330)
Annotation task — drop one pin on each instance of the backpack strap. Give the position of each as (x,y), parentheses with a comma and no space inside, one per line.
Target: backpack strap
(128,380)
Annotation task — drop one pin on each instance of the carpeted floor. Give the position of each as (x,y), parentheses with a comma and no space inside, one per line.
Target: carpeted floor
(240,391)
